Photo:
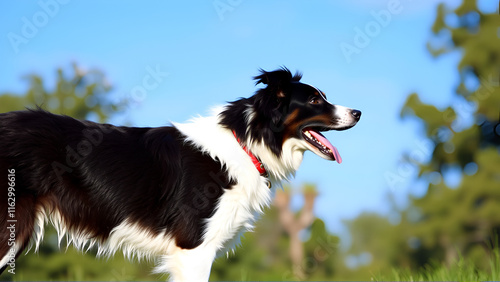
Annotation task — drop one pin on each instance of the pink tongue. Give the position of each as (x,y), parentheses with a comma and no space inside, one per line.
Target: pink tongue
(327,143)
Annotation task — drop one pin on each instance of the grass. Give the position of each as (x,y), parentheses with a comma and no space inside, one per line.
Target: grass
(461,270)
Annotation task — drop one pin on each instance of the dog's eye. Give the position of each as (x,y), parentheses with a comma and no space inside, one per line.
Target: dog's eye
(314,100)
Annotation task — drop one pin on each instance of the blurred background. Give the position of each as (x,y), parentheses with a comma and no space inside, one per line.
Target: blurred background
(418,193)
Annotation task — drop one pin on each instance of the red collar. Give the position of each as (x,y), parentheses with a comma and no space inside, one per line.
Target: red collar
(258,165)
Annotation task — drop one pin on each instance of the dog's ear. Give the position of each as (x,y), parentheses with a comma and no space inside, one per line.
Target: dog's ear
(278,80)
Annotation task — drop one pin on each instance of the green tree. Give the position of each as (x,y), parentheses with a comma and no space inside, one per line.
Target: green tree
(465,136)
(264,255)
(80,94)
(376,245)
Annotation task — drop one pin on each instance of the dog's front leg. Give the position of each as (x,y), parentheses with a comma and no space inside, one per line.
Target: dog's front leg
(188,265)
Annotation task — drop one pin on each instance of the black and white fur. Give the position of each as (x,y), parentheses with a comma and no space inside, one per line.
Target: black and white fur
(180,194)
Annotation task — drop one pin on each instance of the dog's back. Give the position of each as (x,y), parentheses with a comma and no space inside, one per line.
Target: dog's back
(90,179)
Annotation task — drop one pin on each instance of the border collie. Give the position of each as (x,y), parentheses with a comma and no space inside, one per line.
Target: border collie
(179,194)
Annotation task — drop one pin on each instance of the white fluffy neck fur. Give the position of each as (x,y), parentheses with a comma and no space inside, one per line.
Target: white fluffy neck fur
(279,168)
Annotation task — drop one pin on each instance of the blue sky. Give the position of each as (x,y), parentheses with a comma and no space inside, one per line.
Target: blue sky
(211,49)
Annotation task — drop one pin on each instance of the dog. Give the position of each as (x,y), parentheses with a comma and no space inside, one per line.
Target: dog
(179,194)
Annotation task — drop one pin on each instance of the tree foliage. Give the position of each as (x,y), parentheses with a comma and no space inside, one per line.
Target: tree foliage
(77,93)
(80,94)
(264,255)
(450,220)
(455,219)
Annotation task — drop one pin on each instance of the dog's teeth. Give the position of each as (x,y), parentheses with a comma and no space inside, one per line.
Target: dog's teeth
(308,134)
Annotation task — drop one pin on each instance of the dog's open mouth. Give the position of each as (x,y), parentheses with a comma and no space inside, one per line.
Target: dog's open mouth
(321,145)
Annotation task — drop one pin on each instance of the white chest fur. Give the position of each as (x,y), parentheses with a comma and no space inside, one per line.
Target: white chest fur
(238,206)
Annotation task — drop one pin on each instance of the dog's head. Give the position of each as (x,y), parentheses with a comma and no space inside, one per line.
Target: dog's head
(301,111)
(287,117)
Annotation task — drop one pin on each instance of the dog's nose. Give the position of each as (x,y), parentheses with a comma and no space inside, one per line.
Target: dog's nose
(356,114)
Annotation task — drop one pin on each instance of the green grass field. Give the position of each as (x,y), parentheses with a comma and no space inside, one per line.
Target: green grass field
(462,270)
